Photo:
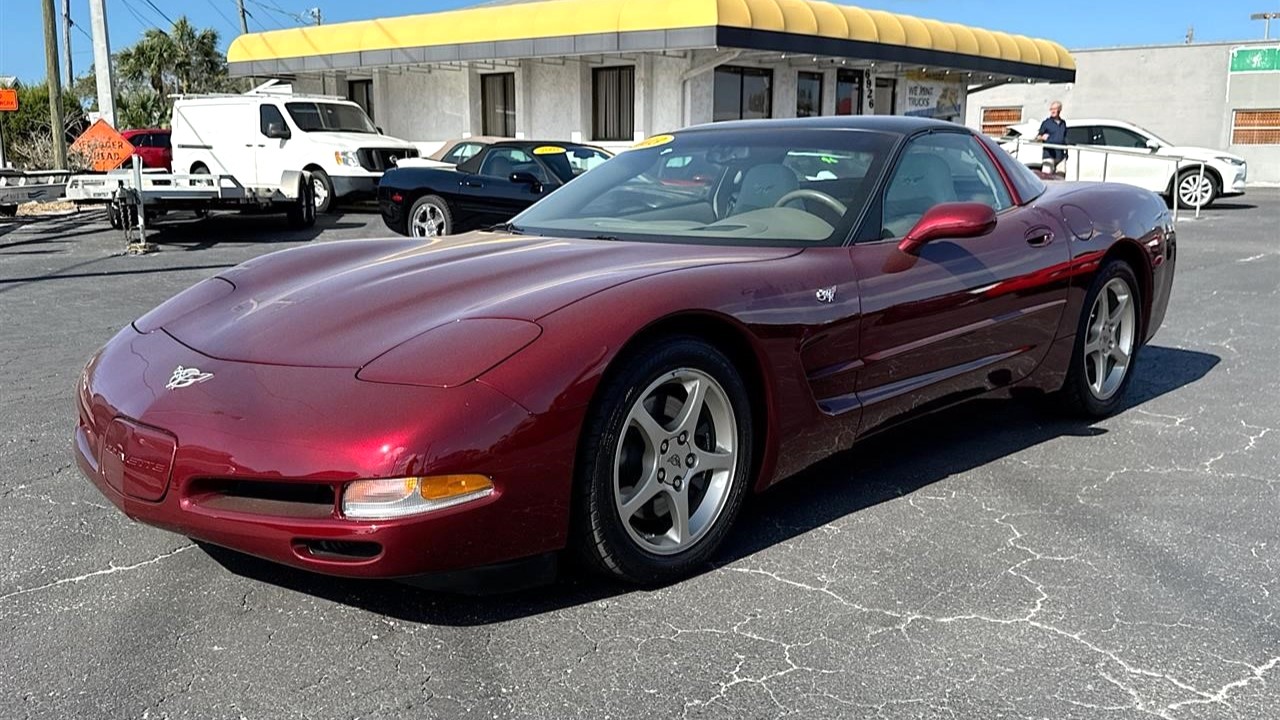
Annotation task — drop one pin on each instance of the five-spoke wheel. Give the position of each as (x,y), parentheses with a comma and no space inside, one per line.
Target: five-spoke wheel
(663,462)
(1107,343)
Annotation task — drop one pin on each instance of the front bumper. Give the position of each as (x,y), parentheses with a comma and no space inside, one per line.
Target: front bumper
(355,186)
(259,456)
(1235,184)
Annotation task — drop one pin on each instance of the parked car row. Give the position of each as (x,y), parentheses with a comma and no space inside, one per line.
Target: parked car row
(1224,174)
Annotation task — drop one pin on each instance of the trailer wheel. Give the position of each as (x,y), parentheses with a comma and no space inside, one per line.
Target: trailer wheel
(113,217)
(302,214)
(8,210)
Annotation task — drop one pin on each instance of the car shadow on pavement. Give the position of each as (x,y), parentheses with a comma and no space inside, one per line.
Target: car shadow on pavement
(230,228)
(882,468)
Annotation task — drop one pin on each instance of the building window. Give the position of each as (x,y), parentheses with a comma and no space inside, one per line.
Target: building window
(809,94)
(360,92)
(742,93)
(849,92)
(996,120)
(613,103)
(1255,127)
(498,104)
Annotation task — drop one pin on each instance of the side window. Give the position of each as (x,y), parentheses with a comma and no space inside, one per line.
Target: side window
(161,140)
(501,162)
(1120,137)
(269,115)
(1079,135)
(141,140)
(935,169)
(461,153)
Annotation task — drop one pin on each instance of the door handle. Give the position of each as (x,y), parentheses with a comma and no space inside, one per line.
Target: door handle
(472,183)
(1039,237)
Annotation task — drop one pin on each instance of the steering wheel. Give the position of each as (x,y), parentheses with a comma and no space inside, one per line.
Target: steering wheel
(806,193)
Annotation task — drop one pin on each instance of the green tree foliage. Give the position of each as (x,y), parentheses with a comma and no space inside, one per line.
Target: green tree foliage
(183,60)
(31,121)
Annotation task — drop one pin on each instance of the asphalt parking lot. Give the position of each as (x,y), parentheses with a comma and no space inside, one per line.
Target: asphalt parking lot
(990,562)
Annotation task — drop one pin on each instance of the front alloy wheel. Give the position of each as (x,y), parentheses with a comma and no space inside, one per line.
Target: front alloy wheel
(663,462)
(676,462)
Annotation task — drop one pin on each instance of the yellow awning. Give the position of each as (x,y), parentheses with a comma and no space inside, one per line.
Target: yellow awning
(561,18)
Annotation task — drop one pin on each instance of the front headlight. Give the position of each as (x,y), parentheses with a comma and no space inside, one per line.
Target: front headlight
(349,158)
(1230,160)
(397,497)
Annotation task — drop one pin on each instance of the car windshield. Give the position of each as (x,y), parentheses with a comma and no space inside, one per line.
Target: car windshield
(753,186)
(329,117)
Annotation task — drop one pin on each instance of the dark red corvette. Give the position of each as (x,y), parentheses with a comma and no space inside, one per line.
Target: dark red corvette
(616,369)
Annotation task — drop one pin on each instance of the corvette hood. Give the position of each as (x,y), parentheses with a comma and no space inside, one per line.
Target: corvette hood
(340,304)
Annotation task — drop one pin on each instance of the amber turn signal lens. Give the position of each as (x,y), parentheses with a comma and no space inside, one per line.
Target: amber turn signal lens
(397,497)
(447,486)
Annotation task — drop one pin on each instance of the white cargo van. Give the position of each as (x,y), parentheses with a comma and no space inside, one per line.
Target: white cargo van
(258,137)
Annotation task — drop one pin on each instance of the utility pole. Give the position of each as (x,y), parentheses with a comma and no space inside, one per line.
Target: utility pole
(55,87)
(66,41)
(1266,19)
(106,74)
(244,18)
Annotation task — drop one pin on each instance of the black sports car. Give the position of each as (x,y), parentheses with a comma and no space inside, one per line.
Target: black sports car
(489,188)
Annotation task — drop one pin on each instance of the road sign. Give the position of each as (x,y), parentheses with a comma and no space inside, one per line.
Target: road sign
(8,99)
(102,146)
(1255,59)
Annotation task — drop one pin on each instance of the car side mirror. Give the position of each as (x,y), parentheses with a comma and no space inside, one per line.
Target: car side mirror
(526,178)
(379,129)
(277,131)
(1153,144)
(949,220)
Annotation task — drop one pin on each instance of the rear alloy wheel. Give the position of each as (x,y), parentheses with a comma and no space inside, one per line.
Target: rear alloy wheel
(322,190)
(664,465)
(430,217)
(1196,190)
(1107,344)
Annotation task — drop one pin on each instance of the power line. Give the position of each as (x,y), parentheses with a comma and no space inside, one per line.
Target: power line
(234,28)
(159,12)
(146,24)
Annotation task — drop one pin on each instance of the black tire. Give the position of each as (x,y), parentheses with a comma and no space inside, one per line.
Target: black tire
(598,534)
(427,203)
(1192,175)
(114,217)
(1077,398)
(8,210)
(322,191)
(302,214)
(199,169)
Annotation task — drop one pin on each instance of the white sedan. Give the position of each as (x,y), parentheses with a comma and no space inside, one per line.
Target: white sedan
(1224,174)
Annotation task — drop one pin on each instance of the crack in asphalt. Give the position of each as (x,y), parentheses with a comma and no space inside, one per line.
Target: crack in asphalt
(109,570)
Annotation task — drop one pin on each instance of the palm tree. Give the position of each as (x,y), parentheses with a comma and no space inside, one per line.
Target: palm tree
(183,60)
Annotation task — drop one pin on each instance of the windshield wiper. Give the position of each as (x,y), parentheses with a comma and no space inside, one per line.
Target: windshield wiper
(505,227)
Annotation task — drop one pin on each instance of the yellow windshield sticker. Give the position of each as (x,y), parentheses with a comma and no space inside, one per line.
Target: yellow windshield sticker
(654,141)
(548,150)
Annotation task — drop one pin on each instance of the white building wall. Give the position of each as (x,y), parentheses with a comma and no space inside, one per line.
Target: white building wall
(667,95)
(556,96)
(422,106)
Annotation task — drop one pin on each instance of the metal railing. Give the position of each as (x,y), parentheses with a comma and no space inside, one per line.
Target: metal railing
(1079,151)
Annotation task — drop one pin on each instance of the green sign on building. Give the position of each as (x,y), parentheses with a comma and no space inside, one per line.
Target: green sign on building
(1255,59)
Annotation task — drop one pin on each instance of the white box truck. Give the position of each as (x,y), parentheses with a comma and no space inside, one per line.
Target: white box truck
(258,137)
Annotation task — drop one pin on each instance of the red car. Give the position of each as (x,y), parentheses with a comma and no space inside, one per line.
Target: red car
(152,145)
(612,372)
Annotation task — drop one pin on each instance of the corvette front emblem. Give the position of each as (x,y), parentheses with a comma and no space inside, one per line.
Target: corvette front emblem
(186,377)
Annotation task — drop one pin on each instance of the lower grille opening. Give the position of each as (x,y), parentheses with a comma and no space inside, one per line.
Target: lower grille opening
(289,499)
(350,550)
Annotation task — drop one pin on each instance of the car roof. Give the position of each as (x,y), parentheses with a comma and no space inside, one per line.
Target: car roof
(138,131)
(881,123)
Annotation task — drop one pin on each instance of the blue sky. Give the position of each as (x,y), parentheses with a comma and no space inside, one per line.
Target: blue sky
(1074,23)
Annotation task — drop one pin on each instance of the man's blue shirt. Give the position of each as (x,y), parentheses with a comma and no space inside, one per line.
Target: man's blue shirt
(1056,129)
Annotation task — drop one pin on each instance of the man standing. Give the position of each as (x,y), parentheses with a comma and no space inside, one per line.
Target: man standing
(1054,132)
